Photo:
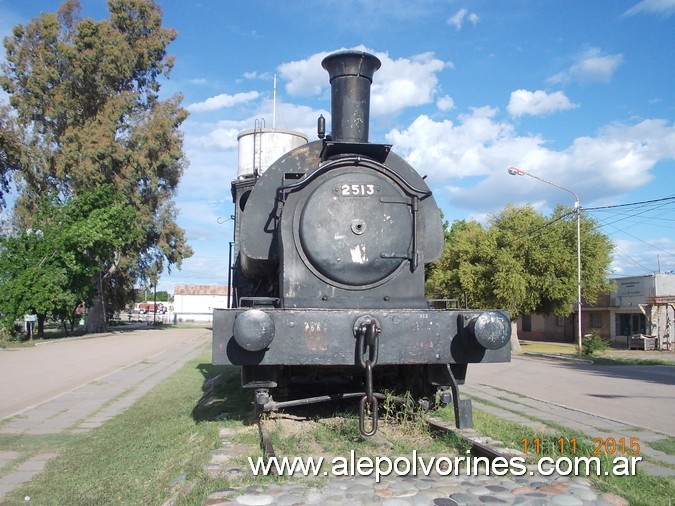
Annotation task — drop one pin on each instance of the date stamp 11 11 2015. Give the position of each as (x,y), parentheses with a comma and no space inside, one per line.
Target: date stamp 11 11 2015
(568,446)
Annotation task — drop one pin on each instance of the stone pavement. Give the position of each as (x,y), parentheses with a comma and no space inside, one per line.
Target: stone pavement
(87,407)
(409,491)
(431,488)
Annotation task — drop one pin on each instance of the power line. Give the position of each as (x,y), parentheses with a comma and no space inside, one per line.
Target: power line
(642,212)
(638,216)
(672,197)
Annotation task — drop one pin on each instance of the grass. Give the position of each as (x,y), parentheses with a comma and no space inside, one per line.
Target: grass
(547,348)
(666,445)
(608,357)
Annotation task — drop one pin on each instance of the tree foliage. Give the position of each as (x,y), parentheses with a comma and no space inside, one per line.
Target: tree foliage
(47,270)
(522,261)
(86,111)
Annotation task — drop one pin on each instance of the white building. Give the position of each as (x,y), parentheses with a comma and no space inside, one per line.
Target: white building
(643,305)
(195,303)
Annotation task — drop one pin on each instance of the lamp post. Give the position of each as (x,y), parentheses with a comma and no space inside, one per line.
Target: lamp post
(519,172)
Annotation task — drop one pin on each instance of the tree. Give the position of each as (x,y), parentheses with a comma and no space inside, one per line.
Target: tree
(522,262)
(85,95)
(47,270)
(10,148)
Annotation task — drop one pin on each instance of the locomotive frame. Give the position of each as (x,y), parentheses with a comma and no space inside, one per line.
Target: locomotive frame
(330,244)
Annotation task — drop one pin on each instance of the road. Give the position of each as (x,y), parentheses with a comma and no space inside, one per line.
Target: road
(31,376)
(641,396)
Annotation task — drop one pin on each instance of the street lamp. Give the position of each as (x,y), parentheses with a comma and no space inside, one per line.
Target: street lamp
(519,172)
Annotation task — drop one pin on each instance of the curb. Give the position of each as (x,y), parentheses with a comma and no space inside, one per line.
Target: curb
(558,357)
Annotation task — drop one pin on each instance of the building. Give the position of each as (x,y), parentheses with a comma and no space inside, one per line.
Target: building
(195,303)
(642,305)
(639,305)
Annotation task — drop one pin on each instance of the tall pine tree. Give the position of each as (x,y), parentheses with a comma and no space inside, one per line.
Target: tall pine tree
(86,111)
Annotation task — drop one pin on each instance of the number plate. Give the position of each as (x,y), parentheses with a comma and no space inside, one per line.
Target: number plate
(356,190)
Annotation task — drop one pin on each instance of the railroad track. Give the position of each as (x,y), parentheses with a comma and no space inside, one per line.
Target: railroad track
(478,448)
(436,425)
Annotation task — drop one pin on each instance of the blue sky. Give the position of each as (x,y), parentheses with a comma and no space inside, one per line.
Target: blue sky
(579,93)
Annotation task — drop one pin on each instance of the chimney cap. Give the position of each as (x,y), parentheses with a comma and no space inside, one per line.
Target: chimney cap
(351,63)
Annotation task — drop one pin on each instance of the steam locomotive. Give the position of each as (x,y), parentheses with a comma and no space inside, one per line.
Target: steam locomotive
(327,267)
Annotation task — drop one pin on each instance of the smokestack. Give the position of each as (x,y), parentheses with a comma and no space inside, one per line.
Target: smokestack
(351,74)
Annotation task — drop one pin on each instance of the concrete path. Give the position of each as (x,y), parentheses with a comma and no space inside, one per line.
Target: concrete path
(72,386)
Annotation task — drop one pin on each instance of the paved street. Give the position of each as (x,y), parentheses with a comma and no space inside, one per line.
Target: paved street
(30,376)
(639,396)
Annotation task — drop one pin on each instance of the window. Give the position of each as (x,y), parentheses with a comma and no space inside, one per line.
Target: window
(596,320)
(527,323)
(630,324)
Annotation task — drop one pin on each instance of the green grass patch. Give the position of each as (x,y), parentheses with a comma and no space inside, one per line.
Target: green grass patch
(666,445)
(36,443)
(547,348)
(606,357)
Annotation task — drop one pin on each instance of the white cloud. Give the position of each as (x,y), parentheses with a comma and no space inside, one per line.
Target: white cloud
(445,103)
(457,20)
(660,7)
(620,158)
(591,66)
(263,76)
(223,100)
(405,82)
(538,102)
(305,77)
(399,83)
(220,138)
(445,150)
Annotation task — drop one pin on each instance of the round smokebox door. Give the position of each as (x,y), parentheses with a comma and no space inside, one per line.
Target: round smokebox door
(355,228)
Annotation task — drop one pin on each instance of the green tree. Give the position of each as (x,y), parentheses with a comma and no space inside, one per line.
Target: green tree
(147,293)
(10,149)
(523,262)
(47,270)
(85,96)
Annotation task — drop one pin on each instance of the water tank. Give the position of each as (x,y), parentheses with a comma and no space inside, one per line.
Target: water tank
(261,147)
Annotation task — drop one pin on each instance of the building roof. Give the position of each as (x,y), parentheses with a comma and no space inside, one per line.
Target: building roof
(201,290)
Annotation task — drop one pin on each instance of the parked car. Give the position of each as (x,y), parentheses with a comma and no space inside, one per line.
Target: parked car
(149,307)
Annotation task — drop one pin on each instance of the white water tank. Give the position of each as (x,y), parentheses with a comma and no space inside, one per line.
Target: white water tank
(261,147)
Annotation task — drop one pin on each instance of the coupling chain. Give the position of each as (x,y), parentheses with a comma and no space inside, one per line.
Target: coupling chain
(368,342)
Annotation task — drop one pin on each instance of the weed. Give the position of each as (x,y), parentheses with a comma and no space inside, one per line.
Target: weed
(593,343)
(666,445)
(403,411)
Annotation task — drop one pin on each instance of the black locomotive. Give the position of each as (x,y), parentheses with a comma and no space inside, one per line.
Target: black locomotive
(329,250)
